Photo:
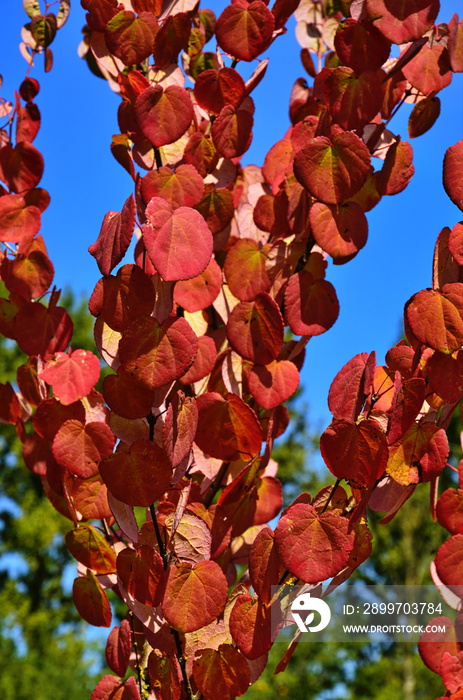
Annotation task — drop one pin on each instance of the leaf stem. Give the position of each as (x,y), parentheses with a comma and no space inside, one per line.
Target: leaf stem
(160,541)
(136,653)
(182,662)
(216,485)
(338,481)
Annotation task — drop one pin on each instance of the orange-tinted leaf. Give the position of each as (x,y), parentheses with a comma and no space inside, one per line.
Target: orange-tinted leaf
(351,386)
(245,269)
(127,397)
(273,383)
(255,329)
(91,549)
(449,564)
(158,353)
(29,275)
(142,574)
(118,648)
(216,207)
(453,173)
(227,427)
(79,448)
(165,675)
(445,375)
(164,115)
(179,242)
(353,100)
(402,20)
(131,38)
(244,31)
(423,116)
(455,44)
(433,645)
(455,242)
(430,70)
(360,45)
(204,361)
(341,230)
(223,672)
(91,600)
(215,89)
(436,318)
(264,564)
(420,455)
(251,626)
(27,122)
(355,452)
(28,382)
(407,403)
(71,376)
(10,408)
(150,473)
(89,497)
(121,299)
(182,188)
(51,415)
(397,170)
(313,546)
(333,171)
(195,595)
(180,424)
(17,220)
(232,130)
(311,305)
(449,511)
(201,152)
(199,292)
(114,237)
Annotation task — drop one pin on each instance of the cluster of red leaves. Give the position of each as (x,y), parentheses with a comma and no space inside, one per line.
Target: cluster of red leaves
(228,257)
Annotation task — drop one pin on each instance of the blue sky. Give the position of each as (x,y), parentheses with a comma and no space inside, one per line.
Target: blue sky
(79,118)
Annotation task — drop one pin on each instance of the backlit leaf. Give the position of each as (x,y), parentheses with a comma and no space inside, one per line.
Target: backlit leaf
(420,455)
(90,548)
(341,230)
(449,563)
(180,424)
(29,275)
(118,648)
(142,574)
(274,383)
(199,292)
(360,45)
(80,448)
(264,564)
(429,71)
(313,546)
(114,237)
(158,353)
(172,37)
(311,305)
(131,38)
(227,427)
(232,130)
(449,511)
(150,473)
(179,242)
(433,645)
(245,269)
(215,89)
(244,31)
(351,386)
(17,220)
(184,187)
(164,115)
(21,167)
(165,675)
(91,600)
(195,595)
(333,171)
(402,20)
(255,329)
(223,672)
(216,207)
(71,376)
(453,173)
(353,100)
(436,318)
(251,626)
(204,361)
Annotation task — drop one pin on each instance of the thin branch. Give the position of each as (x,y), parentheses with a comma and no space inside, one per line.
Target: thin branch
(216,485)
(162,548)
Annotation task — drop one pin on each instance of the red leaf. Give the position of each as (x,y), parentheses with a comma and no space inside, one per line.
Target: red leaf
(401,21)
(227,428)
(433,645)
(455,242)
(407,403)
(29,275)
(397,170)
(42,331)
(51,415)
(232,130)
(274,383)
(114,237)
(436,318)
(449,564)
(182,188)
(119,648)
(158,353)
(80,448)
(453,173)
(455,44)
(251,626)
(420,455)
(10,408)
(451,670)
(221,673)
(423,116)
(353,100)
(333,171)
(179,242)
(201,291)
(172,37)
(21,167)
(430,70)
(215,89)
(106,689)
(126,396)
(27,122)
(195,595)
(204,361)
(311,305)
(90,548)
(360,45)
(131,38)
(91,600)
(164,115)
(150,473)
(355,452)
(71,376)
(445,375)
(217,207)
(244,31)
(89,497)
(255,329)
(313,546)
(17,220)
(142,574)
(165,675)
(180,424)
(449,511)
(351,386)
(264,565)
(341,230)
(245,269)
